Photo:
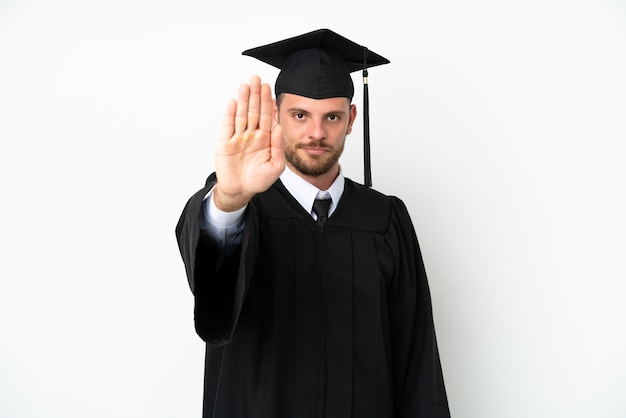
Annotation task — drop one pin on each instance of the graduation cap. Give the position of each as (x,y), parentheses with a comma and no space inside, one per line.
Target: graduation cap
(318,65)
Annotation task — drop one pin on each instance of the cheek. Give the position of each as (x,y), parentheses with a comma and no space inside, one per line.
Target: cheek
(292,129)
(291,133)
(340,131)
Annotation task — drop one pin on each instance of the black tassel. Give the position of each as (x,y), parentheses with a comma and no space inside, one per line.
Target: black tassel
(366,125)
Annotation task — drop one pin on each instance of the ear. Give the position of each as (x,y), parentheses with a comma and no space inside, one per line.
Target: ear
(352,118)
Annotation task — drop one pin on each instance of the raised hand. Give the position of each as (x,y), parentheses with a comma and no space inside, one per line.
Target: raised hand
(249,156)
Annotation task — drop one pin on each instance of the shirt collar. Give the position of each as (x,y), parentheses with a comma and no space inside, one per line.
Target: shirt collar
(305,193)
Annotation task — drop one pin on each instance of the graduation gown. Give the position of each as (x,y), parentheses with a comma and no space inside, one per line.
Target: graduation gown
(304,322)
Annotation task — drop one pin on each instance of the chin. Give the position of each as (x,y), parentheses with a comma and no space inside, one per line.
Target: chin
(313,166)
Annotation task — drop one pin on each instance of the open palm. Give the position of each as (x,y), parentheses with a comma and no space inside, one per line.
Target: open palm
(250,155)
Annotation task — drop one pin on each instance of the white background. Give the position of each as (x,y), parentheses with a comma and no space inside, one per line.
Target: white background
(500,123)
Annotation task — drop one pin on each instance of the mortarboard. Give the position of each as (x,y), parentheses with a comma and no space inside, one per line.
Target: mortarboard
(318,65)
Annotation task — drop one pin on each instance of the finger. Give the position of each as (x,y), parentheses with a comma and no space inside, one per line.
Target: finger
(254,103)
(267,109)
(277,152)
(241,117)
(228,126)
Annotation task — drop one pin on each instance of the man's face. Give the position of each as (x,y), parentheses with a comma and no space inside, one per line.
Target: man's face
(314,132)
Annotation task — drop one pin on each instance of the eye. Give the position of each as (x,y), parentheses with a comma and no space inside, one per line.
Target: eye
(333,118)
(298,116)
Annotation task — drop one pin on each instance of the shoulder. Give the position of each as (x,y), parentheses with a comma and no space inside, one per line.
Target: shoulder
(361,194)
(368,208)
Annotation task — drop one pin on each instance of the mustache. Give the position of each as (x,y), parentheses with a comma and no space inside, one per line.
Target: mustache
(315,144)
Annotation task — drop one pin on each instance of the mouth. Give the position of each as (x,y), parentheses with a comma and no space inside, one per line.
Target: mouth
(314,149)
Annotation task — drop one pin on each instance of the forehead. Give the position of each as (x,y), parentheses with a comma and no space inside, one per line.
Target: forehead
(334,104)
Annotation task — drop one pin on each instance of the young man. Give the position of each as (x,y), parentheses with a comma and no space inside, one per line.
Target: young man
(307,311)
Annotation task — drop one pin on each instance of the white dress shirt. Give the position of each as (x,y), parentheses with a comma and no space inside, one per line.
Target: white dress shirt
(227,227)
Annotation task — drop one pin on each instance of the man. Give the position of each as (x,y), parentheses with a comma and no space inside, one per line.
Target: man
(307,311)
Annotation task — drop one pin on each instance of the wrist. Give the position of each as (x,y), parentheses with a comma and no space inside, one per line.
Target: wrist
(229,202)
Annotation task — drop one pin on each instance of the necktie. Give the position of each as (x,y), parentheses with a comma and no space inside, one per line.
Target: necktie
(320,207)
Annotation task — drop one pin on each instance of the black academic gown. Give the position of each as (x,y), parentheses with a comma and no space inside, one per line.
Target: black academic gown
(304,322)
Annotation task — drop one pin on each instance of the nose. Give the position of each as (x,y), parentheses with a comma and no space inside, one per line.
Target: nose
(315,129)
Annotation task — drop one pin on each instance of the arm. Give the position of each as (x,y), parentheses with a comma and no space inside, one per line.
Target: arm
(224,228)
(218,281)
(249,158)
(419,385)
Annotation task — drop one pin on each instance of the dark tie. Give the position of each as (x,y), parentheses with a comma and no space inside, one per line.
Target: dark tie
(320,207)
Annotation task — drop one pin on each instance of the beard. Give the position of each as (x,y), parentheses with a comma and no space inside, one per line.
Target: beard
(313,165)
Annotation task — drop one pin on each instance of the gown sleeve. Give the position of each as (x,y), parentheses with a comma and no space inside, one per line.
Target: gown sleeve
(217,281)
(418,380)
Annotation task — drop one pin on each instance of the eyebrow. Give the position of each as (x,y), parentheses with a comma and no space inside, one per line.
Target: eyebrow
(332,112)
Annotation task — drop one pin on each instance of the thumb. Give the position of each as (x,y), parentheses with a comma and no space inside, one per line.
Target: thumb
(277,143)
